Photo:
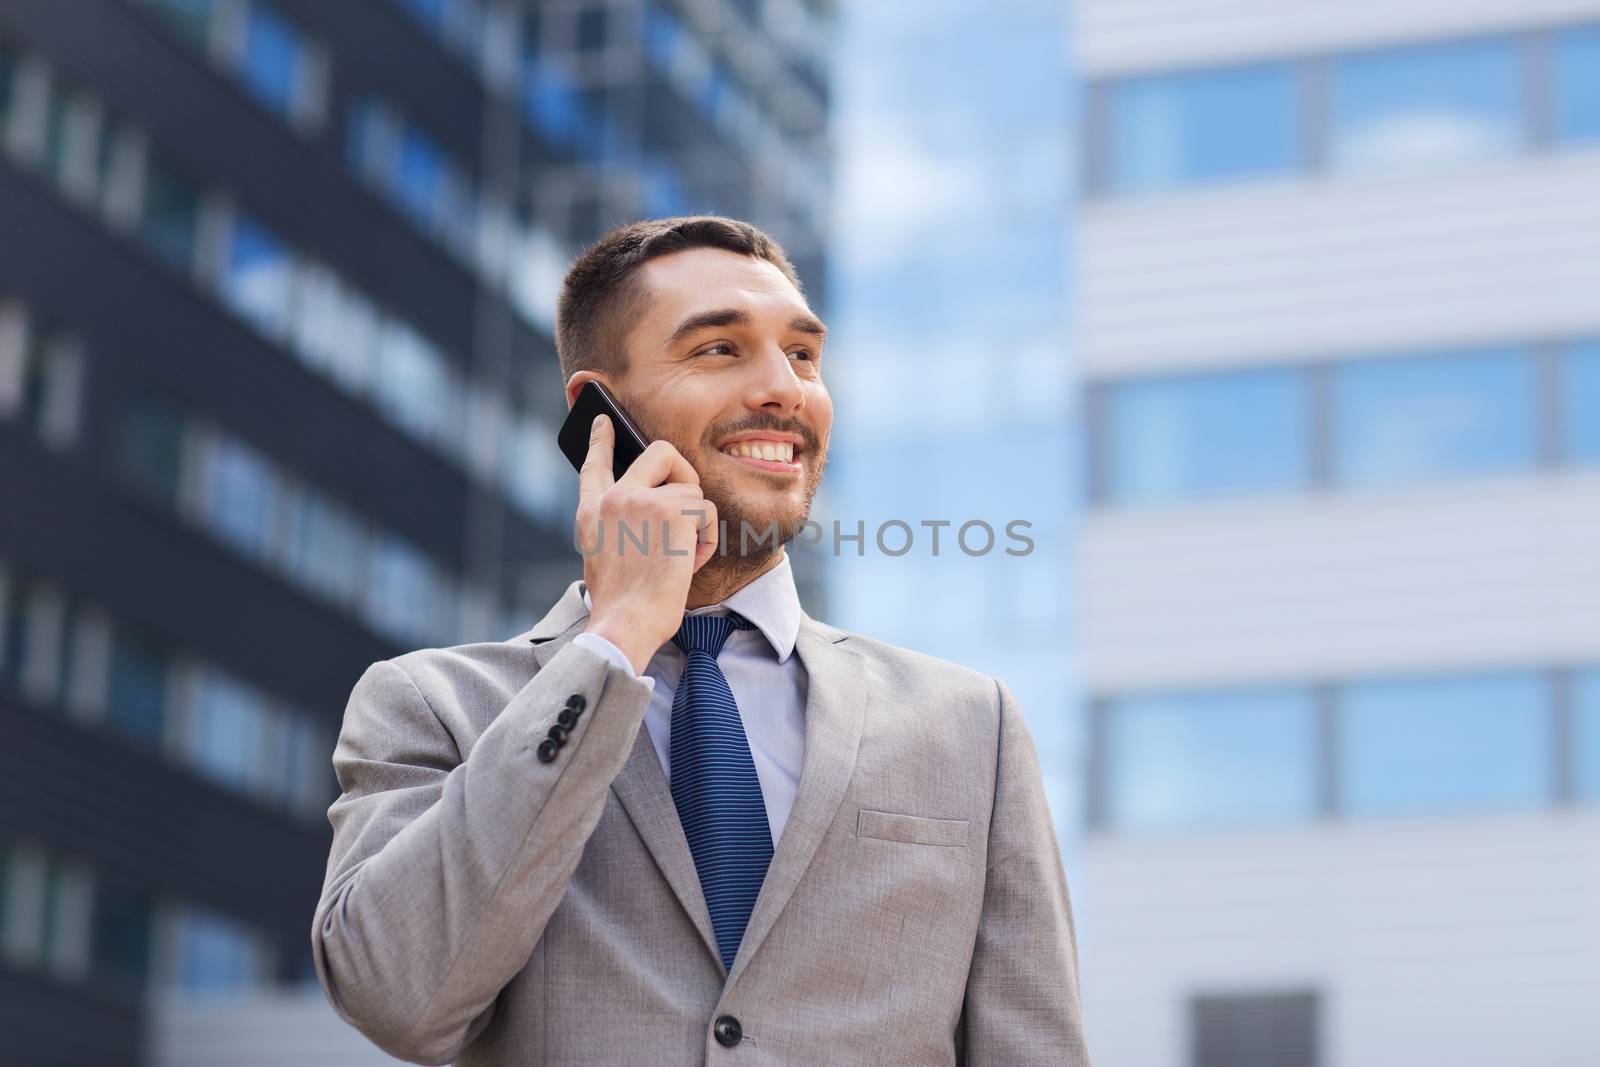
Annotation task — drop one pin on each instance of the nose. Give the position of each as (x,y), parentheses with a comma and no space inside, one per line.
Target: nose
(773,386)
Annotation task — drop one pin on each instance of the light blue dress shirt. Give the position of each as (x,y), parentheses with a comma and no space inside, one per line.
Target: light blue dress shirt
(766,677)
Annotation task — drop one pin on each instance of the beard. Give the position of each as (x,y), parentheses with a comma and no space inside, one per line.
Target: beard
(753,524)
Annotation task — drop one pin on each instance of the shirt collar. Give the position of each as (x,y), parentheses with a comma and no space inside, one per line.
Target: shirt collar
(771,603)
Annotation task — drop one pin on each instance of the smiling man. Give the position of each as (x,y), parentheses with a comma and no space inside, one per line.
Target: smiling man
(679,820)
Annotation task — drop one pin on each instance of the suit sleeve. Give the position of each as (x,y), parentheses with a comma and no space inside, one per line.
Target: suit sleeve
(1022,1003)
(443,871)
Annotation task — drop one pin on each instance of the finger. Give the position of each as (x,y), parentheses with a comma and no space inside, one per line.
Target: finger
(710,535)
(661,464)
(594,477)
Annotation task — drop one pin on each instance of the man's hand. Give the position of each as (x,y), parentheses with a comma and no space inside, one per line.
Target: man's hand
(637,596)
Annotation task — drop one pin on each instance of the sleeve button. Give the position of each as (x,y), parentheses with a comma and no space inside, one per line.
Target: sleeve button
(548,750)
(558,734)
(567,718)
(576,702)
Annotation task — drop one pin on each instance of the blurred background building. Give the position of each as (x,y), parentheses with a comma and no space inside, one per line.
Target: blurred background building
(278,398)
(1339,570)
(954,405)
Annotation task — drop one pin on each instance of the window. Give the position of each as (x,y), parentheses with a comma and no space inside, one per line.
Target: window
(258,275)
(8,84)
(1581,402)
(326,547)
(77,145)
(241,496)
(1201,759)
(170,220)
(1404,107)
(1575,66)
(1194,436)
(1174,129)
(122,933)
(1423,745)
(44,911)
(418,178)
(41,376)
(151,448)
(1434,416)
(212,954)
(336,329)
(271,57)
(414,386)
(226,730)
(1586,717)
(193,19)
(1254,1030)
(137,696)
(400,589)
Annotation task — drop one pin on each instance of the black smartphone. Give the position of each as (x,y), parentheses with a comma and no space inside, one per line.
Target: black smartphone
(595,399)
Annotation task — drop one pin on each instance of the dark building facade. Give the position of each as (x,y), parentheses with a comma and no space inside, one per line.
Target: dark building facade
(278,398)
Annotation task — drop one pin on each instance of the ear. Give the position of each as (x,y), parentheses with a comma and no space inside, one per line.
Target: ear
(577,381)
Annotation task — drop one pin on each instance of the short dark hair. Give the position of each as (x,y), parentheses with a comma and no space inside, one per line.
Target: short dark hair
(601,295)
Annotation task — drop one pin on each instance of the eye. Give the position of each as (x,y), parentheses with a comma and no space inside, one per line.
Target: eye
(804,353)
(719,347)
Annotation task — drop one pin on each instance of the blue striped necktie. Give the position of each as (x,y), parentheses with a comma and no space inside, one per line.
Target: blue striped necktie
(714,783)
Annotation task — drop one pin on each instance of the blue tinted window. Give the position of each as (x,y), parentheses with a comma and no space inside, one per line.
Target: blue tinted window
(270,63)
(1191,436)
(137,691)
(1586,705)
(1438,744)
(1580,393)
(1575,67)
(151,447)
(1211,758)
(1434,416)
(419,180)
(1407,106)
(258,275)
(1206,125)
(170,217)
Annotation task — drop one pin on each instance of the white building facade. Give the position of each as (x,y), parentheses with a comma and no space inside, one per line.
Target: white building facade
(1338,316)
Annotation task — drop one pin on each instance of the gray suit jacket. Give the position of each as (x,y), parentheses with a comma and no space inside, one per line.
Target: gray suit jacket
(486,907)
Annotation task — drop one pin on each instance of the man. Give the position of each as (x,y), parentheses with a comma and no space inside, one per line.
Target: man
(818,849)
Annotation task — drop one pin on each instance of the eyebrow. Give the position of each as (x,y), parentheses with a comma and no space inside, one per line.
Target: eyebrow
(706,320)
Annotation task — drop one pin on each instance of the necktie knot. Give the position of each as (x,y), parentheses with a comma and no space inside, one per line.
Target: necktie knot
(708,633)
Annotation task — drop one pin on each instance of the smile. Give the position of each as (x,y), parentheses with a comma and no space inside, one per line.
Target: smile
(763,453)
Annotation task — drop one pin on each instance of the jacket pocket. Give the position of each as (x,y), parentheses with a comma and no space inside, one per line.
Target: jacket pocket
(911,829)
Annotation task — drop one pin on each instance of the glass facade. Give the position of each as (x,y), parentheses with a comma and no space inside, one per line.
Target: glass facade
(1586,734)
(1437,103)
(1202,126)
(1390,109)
(1580,400)
(1390,420)
(1388,747)
(1207,434)
(1223,758)
(1575,65)
(1414,746)
(1434,416)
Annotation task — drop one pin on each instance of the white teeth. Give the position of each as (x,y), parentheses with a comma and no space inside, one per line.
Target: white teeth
(778,451)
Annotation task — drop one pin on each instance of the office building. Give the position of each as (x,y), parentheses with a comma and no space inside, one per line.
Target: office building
(1340,600)
(278,399)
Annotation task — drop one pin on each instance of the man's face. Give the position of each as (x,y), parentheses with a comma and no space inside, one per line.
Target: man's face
(725,363)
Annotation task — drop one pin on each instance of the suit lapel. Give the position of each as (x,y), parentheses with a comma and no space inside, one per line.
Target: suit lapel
(835,710)
(640,785)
